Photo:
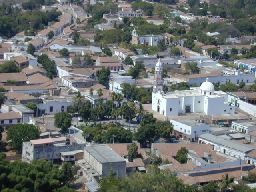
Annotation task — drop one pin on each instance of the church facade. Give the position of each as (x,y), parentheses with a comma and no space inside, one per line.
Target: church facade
(203,99)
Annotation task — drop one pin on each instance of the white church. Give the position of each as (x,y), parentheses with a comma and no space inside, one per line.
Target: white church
(203,99)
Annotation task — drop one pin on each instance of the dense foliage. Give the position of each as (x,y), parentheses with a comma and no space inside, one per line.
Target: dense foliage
(112,36)
(181,155)
(39,176)
(108,133)
(13,20)
(9,67)
(103,76)
(136,70)
(17,134)
(62,120)
(132,151)
(151,130)
(154,180)
(48,64)
(132,92)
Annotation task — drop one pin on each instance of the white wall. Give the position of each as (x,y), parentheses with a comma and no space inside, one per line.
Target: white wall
(235,79)
(191,131)
(58,106)
(244,106)
(224,150)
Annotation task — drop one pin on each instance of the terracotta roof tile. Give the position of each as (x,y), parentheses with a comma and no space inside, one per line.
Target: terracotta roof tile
(19,77)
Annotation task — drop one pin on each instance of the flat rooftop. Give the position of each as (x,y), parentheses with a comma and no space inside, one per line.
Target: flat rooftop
(245,123)
(47,140)
(23,109)
(191,92)
(190,122)
(103,153)
(227,143)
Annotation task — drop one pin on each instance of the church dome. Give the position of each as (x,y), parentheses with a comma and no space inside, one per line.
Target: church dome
(207,86)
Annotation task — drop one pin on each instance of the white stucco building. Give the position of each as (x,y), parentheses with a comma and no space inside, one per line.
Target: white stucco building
(150,40)
(115,84)
(203,99)
(243,126)
(189,129)
(230,148)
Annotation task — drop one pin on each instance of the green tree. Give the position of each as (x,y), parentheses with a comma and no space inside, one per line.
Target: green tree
(9,67)
(128,61)
(64,52)
(229,87)
(189,43)
(136,70)
(192,68)
(151,130)
(31,49)
(132,151)
(32,106)
(153,180)
(107,51)
(99,92)
(175,51)
(88,60)
(107,133)
(128,111)
(213,52)
(181,155)
(19,133)
(38,176)
(2,99)
(62,120)
(48,64)
(50,35)
(103,76)
(161,45)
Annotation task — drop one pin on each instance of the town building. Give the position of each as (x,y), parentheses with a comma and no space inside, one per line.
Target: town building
(77,82)
(249,97)
(53,149)
(129,13)
(111,63)
(243,126)
(52,105)
(102,161)
(217,77)
(122,53)
(229,147)
(189,129)
(150,40)
(248,64)
(203,99)
(12,114)
(13,79)
(115,83)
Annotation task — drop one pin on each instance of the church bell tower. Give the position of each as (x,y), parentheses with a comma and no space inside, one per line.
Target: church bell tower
(158,81)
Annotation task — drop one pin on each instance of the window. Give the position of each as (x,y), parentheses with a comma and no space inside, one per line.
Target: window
(10,121)
(170,109)
(225,110)
(2,122)
(198,101)
(51,108)
(18,120)
(230,108)
(62,108)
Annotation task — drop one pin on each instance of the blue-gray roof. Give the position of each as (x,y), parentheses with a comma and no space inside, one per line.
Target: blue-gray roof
(227,143)
(103,153)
